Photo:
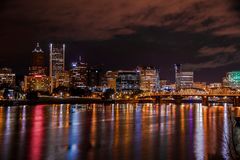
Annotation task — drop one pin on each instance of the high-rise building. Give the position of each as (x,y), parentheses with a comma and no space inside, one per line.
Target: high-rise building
(38,64)
(37,80)
(183,79)
(111,78)
(94,76)
(57,62)
(149,79)
(178,70)
(38,56)
(128,81)
(78,74)
(7,77)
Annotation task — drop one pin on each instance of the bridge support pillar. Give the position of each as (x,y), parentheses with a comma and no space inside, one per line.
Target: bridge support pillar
(159,99)
(178,99)
(205,100)
(236,101)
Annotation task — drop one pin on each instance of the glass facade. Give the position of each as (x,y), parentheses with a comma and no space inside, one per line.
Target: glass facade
(128,81)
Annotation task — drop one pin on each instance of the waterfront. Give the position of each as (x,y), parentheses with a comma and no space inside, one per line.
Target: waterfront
(115,131)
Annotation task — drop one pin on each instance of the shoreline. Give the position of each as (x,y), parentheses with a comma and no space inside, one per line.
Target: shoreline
(81,100)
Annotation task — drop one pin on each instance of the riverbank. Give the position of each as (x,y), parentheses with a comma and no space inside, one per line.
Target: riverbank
(84,100)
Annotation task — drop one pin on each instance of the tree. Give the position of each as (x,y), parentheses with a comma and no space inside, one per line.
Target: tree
(80,92)
(32,95)
(60,89)
(108,93)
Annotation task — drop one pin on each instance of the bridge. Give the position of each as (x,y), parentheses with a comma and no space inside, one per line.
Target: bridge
(226,93)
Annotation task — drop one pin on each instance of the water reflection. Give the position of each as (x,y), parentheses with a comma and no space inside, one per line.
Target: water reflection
(115,131)
(36,133)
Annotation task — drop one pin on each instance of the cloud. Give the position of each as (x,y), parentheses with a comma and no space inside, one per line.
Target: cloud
(94,19)
(217,57)
(208,51)
(232,31)
(219,60)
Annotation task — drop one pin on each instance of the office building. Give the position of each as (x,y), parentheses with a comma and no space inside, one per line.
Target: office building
(7,77)
(37,80)
(94,76)
(57,62)
(63,79)
(78,74)
(38,56)
(111,78)
(128,81)
(183,79)
(149,79)
(38,63)
(37,83)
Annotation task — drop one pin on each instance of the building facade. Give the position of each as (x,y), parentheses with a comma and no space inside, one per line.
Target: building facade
(111,78)
(183,79)
(38,56)
(37,83)
(128,81)
(38,63)
(149,79)
(63,79)
(57,62)
(7,77)
(37,79)
(78,74)
(94,76)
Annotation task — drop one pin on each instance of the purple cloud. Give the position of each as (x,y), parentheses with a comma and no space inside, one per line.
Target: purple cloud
(83,20)
(208,51)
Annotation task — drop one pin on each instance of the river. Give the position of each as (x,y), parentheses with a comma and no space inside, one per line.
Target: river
(116,131)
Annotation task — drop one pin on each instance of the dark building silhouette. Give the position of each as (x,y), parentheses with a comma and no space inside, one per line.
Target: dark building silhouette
(94,76)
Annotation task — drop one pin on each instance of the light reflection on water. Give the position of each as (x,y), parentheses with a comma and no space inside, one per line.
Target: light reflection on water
(115,131)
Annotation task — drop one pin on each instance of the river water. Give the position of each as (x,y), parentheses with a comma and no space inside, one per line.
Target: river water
(115,131)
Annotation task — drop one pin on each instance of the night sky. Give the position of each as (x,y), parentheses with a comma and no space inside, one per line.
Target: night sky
(204,35)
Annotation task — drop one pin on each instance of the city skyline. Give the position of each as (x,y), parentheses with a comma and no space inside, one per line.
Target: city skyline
(202,35)
(68,65)
(120,79)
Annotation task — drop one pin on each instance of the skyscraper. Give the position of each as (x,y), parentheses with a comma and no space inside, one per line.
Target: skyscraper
(183,79)
(149,79)
(94,76)
(128,81)
(38,66)
(57,59)
(57,62)
(37,80)
(37,56)
(178,70)
(78,74)
(111,78)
